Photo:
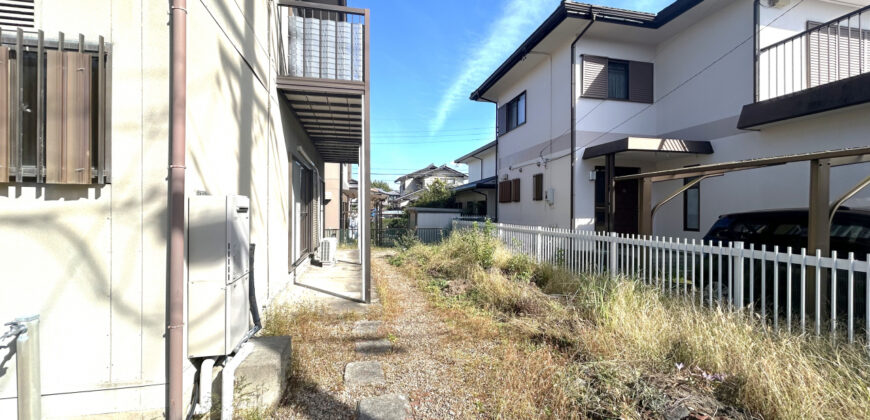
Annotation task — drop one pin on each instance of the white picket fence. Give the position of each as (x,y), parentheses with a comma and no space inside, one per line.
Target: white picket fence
(773,283)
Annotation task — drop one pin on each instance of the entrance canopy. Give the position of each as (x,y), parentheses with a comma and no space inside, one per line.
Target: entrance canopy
(648,144)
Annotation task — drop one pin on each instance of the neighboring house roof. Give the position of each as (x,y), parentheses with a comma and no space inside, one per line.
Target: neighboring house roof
(481,184)
(586,12)
(433,210)
(432,170)
(477,151)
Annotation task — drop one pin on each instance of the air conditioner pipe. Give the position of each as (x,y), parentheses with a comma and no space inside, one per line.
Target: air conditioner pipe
(206,372)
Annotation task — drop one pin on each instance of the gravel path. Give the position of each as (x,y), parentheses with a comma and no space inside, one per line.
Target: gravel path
(427,363)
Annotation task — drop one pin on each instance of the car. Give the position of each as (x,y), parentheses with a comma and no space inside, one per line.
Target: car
(850,230)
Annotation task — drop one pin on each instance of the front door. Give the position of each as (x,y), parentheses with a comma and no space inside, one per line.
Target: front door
(625,218)
(301,213)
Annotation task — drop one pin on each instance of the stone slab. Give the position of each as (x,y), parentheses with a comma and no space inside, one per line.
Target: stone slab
(262,377)
(366,328)
(364,373)
(384,407)
(373,346)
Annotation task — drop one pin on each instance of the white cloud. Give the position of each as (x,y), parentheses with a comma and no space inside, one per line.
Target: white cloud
(517,20)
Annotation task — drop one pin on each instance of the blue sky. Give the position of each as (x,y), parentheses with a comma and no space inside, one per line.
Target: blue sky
(425,63)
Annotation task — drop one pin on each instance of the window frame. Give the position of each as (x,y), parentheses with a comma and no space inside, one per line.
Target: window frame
(697,188)
(626,65)
(514,104)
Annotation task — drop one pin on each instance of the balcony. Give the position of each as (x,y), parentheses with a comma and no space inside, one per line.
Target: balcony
(324,73)
(823,68)
(826,53)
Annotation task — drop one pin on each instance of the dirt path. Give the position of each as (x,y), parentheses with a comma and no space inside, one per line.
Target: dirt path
(432,361)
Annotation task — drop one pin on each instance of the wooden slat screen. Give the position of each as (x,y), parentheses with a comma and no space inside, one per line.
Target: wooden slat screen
(515,189)
(640,82)
(538,191)
(594,73)
(17,13)
(68,118)
(5,126)
(504,192)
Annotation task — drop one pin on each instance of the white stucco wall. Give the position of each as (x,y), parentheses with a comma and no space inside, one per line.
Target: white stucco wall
(542,139)
(91,259)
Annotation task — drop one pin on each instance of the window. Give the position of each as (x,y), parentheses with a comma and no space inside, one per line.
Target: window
(515,189)
(512,114)
(504,192)
(605,78)
(63,118)
(538,181)
(617,80)
(481,208)
(692,207)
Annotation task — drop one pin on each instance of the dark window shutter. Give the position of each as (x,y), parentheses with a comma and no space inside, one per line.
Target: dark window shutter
(640,82)
(538,181)
(515,189)
(501,120)
(504,192)
(594,84)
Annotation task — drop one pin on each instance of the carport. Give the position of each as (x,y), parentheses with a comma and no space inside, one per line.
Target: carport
(821,208)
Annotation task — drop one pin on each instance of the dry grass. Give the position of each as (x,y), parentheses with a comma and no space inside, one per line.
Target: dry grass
(614,348)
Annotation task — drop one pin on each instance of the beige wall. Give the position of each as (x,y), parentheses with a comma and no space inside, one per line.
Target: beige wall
(91,259)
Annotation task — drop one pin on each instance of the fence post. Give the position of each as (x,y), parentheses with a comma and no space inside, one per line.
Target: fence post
(612,251)
(538,245)
(737,274)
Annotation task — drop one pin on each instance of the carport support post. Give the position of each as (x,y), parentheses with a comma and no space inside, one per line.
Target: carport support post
(819,232)
(644,208)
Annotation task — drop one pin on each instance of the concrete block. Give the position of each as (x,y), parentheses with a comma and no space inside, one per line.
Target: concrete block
(366,328)
(373,346)
(385,407)
(262,377)
(363,373)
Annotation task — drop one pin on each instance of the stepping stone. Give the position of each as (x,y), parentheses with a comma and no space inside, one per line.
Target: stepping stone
(373,346)
(385,407)
(366,328)
(363,373)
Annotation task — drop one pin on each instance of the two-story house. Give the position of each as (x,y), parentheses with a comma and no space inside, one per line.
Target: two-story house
(93,213)
(596,93)
(477,197)
(414,183)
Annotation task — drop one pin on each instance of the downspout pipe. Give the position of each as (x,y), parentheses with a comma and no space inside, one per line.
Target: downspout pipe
(177,148)
(496,151)
(573,121)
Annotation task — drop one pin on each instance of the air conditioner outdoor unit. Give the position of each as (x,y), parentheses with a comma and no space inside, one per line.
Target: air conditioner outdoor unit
(218,309)
(328,248)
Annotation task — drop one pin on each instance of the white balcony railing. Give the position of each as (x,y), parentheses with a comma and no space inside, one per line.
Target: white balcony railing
(823,54)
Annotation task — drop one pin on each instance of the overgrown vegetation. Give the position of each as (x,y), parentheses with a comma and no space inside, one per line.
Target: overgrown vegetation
(436,195)
(606,347)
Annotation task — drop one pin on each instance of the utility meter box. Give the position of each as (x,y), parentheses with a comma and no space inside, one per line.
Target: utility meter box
(218,309)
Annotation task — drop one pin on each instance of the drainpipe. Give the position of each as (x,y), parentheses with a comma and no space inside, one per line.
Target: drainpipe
(496,153)
(175,288)
(574,114)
